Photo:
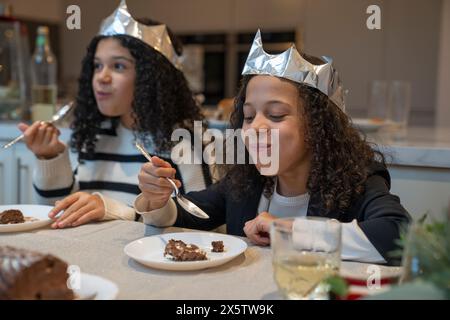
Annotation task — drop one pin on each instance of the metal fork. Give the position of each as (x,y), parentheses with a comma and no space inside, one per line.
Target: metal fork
(56,117)
(187,205)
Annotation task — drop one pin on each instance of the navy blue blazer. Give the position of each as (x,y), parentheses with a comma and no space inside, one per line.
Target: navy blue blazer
(378,212)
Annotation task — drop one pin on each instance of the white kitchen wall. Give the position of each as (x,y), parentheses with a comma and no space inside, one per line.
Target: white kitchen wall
(48,10)
(405,48)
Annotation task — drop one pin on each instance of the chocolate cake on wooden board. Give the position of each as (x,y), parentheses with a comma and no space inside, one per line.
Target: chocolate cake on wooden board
(30,275)
(11,217)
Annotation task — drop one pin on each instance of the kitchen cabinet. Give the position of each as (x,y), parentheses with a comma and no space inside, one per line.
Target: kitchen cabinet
(8,186)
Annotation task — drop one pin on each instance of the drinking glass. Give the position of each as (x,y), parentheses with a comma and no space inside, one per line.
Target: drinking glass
(400,103)
(378,106)
(305,251)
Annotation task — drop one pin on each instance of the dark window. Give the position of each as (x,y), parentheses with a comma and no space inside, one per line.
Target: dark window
(214,73)
(218,83)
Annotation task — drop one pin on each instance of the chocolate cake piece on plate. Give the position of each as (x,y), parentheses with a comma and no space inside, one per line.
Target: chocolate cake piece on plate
(177,250)
(29,275)
(11,217)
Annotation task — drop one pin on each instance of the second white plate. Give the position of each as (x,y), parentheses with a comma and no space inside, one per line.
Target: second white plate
(94,287)
(149,251)
(362,271)
(37,212)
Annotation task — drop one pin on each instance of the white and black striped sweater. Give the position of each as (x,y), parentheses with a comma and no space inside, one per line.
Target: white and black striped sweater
(111,173)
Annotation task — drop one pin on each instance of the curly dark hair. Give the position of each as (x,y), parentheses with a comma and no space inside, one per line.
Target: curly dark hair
(340,155)
(162,99)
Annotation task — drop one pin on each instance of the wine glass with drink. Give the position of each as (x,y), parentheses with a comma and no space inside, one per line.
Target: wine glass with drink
(305,251)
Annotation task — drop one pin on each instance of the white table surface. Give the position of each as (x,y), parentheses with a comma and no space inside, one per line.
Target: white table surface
(98,249)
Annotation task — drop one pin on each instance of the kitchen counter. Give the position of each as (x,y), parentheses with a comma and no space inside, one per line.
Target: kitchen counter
(414,146)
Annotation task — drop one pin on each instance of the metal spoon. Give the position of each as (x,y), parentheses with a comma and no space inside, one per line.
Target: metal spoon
(55,118)
(187,205)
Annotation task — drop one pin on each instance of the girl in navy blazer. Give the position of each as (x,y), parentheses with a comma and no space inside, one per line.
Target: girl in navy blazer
(325,169)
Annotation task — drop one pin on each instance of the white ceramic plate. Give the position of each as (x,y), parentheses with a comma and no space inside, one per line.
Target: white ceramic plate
(38,214)
(95,288)
(149,251)
(368,125)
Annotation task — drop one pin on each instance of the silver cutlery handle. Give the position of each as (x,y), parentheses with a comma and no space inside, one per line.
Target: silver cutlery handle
(9,144)
(13,142)
(174,186)
(59,116)
(149,158)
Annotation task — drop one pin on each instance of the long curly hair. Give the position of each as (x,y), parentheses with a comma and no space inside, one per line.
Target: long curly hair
(340,156)
(162,99)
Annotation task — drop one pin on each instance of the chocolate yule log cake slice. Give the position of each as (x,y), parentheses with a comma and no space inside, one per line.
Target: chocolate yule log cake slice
(31,275)
(11,217)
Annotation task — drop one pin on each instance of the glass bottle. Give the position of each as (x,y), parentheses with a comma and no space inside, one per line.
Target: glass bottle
(43,78)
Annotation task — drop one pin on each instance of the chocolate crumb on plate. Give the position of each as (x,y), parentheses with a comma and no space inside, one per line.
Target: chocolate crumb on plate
(217,246)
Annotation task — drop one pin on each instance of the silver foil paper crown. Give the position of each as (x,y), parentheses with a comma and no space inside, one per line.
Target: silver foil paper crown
(291,65)
(157,37)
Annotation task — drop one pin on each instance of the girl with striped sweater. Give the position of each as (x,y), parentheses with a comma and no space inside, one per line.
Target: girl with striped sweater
(127,90)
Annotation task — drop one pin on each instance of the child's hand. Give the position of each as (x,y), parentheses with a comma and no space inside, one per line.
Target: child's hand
(79,208)
(153,183)
(258,229)
(42,139)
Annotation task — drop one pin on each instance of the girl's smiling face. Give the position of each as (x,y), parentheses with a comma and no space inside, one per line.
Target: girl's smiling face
(273,103)
(113,79)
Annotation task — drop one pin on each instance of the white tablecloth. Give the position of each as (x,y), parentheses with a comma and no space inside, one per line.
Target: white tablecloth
(98,249)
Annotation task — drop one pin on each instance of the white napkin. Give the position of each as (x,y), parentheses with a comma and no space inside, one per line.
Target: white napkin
(312,235)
